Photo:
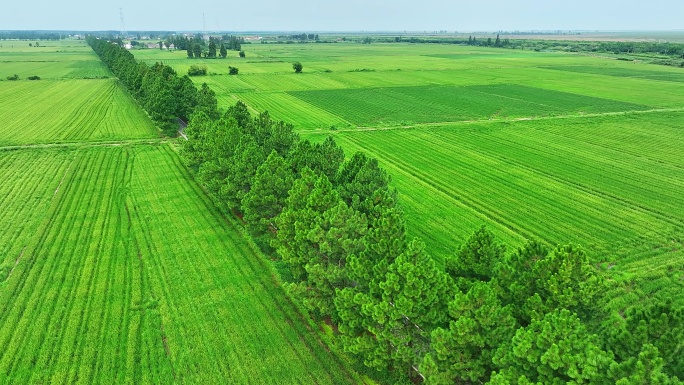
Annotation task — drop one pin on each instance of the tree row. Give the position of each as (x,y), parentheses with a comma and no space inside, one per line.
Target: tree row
(165,96)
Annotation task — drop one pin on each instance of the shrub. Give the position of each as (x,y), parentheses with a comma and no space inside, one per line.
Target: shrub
(242,53)
(34,77)
(197,70)
(297,67)
(232,70)
(13,77)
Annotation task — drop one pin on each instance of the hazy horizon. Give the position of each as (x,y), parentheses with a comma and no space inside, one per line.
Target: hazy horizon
(354,15)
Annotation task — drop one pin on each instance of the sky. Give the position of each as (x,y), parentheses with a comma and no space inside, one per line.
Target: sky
(347,15)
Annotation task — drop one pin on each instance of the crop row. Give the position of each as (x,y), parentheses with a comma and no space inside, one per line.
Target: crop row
(129,276)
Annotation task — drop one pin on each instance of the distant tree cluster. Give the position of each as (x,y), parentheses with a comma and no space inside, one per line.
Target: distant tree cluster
(159,90)
(31,35)
(197,47)
(197,70)
(489,43)
(301,36)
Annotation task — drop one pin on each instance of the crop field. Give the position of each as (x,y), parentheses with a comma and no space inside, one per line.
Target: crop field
(79,110)
(70,59)
(68,103)
(116,269)
(434,104)
(349,85)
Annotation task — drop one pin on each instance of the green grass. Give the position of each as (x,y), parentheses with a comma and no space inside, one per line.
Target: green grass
(53,111)
(120,271)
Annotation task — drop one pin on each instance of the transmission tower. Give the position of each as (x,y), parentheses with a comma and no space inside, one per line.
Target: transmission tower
(123,26)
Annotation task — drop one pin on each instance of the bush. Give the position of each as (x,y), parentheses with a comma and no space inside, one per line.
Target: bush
(197,70)
(34,77)
(297,67)
(242,53)
(13,77)
(232,70)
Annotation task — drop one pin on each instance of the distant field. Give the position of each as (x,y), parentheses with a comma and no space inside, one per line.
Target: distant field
(654,74)
(50,111)
(431,104)
(71,59)
(595,182)
(346,85)
(114,268)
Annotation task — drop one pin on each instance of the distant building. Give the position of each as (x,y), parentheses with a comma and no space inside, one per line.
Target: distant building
(152,45)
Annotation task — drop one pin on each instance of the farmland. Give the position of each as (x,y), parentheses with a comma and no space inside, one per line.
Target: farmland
(552,146)
(80,110)
(114,265)
(121,271)
(73,101)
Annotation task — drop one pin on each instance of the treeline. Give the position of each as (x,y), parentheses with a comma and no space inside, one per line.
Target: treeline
(165,96)
(301,36)
(31,35)
(196,46)
(674,50)
(531,316)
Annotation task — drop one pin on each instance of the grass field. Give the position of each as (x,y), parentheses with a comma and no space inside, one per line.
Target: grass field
(116,269)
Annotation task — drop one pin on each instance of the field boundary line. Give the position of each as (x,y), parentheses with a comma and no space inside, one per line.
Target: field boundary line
(496,120)
(85,144)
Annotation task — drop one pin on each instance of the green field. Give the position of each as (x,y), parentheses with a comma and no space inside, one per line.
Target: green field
(121,271)
(64,59)
(555,146)
(67,104)
(114,265)
(55,111)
